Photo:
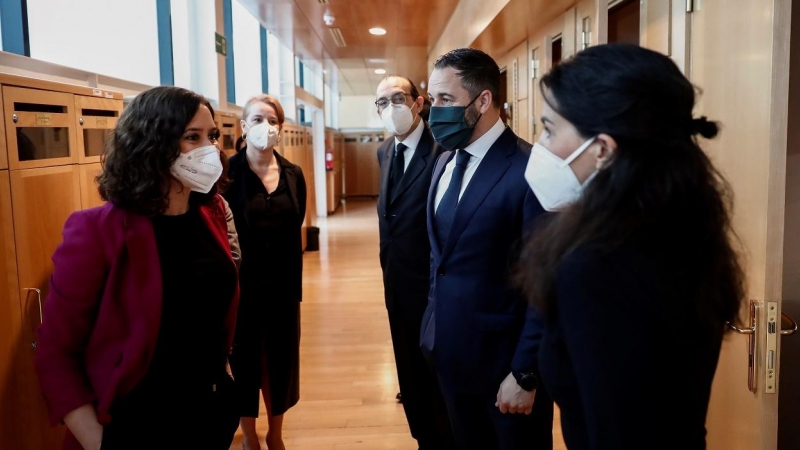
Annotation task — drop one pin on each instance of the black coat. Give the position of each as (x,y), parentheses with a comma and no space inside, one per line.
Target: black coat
(405,251)
(237,197)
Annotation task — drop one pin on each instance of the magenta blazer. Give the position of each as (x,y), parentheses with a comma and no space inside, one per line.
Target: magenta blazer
(103,311)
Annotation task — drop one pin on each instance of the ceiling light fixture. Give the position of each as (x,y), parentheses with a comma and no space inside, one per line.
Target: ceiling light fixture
(377,31)
(380,71)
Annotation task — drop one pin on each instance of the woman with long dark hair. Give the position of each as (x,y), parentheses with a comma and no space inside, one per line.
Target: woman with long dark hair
(140,316)
(268,198)
(636,272)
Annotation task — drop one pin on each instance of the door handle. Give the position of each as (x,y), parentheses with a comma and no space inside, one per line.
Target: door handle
(39,299)
(788,325)
(751,344)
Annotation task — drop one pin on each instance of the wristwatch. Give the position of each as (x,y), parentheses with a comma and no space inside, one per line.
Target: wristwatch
(526,380)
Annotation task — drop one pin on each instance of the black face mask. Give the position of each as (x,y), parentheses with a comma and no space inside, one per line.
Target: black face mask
(449,125)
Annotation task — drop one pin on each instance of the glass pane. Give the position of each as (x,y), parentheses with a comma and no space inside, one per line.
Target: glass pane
(94,140)
(227,142)
(42,143)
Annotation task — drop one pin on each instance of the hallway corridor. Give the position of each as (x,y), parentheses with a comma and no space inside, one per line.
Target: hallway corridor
(348,381)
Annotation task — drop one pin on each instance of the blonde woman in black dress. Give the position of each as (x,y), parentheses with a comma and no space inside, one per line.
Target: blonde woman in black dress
(267,195)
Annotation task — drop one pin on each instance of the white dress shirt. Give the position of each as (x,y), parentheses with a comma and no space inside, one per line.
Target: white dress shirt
(477,150)
(411,141)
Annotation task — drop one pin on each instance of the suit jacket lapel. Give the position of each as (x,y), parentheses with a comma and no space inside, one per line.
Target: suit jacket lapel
(417,165)
(489,172)
(386,153)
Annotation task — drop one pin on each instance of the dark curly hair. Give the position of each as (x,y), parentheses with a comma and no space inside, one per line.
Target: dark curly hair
(138,156)
(661,193)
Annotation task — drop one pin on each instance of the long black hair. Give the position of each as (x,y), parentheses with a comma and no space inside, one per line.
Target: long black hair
(146,141)
(660,193)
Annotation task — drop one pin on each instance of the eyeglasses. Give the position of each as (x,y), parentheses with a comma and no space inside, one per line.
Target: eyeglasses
(397,99)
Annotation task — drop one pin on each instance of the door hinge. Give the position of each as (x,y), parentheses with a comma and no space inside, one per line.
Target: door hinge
(689,6)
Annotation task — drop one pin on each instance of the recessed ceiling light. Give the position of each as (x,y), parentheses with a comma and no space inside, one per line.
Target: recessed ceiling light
(377,31)
(380,71)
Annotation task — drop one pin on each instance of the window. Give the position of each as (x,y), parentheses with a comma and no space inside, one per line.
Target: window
(247,48)
(193,55)
(86,35)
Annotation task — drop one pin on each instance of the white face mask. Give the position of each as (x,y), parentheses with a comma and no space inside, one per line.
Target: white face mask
(263,136)
(198,169)
(552,179)
(397,119)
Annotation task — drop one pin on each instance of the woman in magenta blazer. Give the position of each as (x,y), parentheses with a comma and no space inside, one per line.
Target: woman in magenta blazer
(139,320)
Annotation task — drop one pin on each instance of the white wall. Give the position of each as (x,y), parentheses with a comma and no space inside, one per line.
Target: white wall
(359,111)
(86,34)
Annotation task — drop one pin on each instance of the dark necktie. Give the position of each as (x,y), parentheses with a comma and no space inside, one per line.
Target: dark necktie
(446,211)
(398,168)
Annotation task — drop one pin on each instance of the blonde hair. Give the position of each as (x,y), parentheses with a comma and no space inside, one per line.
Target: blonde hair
(267,100)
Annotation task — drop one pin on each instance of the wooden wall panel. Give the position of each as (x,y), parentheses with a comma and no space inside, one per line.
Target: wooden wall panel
(362,174)
(655,25)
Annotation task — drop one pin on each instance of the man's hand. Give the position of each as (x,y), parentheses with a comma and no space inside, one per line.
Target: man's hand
(513,399)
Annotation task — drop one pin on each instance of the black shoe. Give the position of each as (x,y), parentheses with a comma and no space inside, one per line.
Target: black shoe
(399,398)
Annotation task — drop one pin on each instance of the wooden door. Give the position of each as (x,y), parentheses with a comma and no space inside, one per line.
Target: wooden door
(40,128)
(535,93)
(95,120)
(42,199)
(789,404)
(10,346)
(740,59)
(90,197)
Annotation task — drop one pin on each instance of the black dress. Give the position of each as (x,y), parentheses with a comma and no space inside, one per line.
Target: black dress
(266,351)
(623,356)
(187,376)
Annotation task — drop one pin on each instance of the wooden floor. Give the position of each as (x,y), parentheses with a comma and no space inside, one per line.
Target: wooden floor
(348,381)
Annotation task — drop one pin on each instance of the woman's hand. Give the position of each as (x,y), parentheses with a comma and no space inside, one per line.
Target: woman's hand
(82,423)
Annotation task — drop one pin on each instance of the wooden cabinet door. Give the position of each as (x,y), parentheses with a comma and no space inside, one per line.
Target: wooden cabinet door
(10,345)
(95,119)
(90,197)
(40,128)
(42,199)
(228,124)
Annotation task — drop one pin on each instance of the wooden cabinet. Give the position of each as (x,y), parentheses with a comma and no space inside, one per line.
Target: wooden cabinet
(42,199)
(334,144)
(296,146)
(10,321)
(95,120)
(90,197)
(46,130)
(40,128)
(3,152)
(228,125)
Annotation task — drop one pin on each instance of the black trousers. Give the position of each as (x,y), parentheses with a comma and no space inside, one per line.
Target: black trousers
(479,425)
(422,400)
(203,418)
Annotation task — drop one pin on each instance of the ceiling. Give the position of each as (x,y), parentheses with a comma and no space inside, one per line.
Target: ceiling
(412,28)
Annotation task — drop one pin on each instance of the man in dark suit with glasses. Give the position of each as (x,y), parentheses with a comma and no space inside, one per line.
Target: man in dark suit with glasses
(406,163)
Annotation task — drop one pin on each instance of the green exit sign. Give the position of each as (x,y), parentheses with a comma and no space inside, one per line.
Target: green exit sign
(221,44)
